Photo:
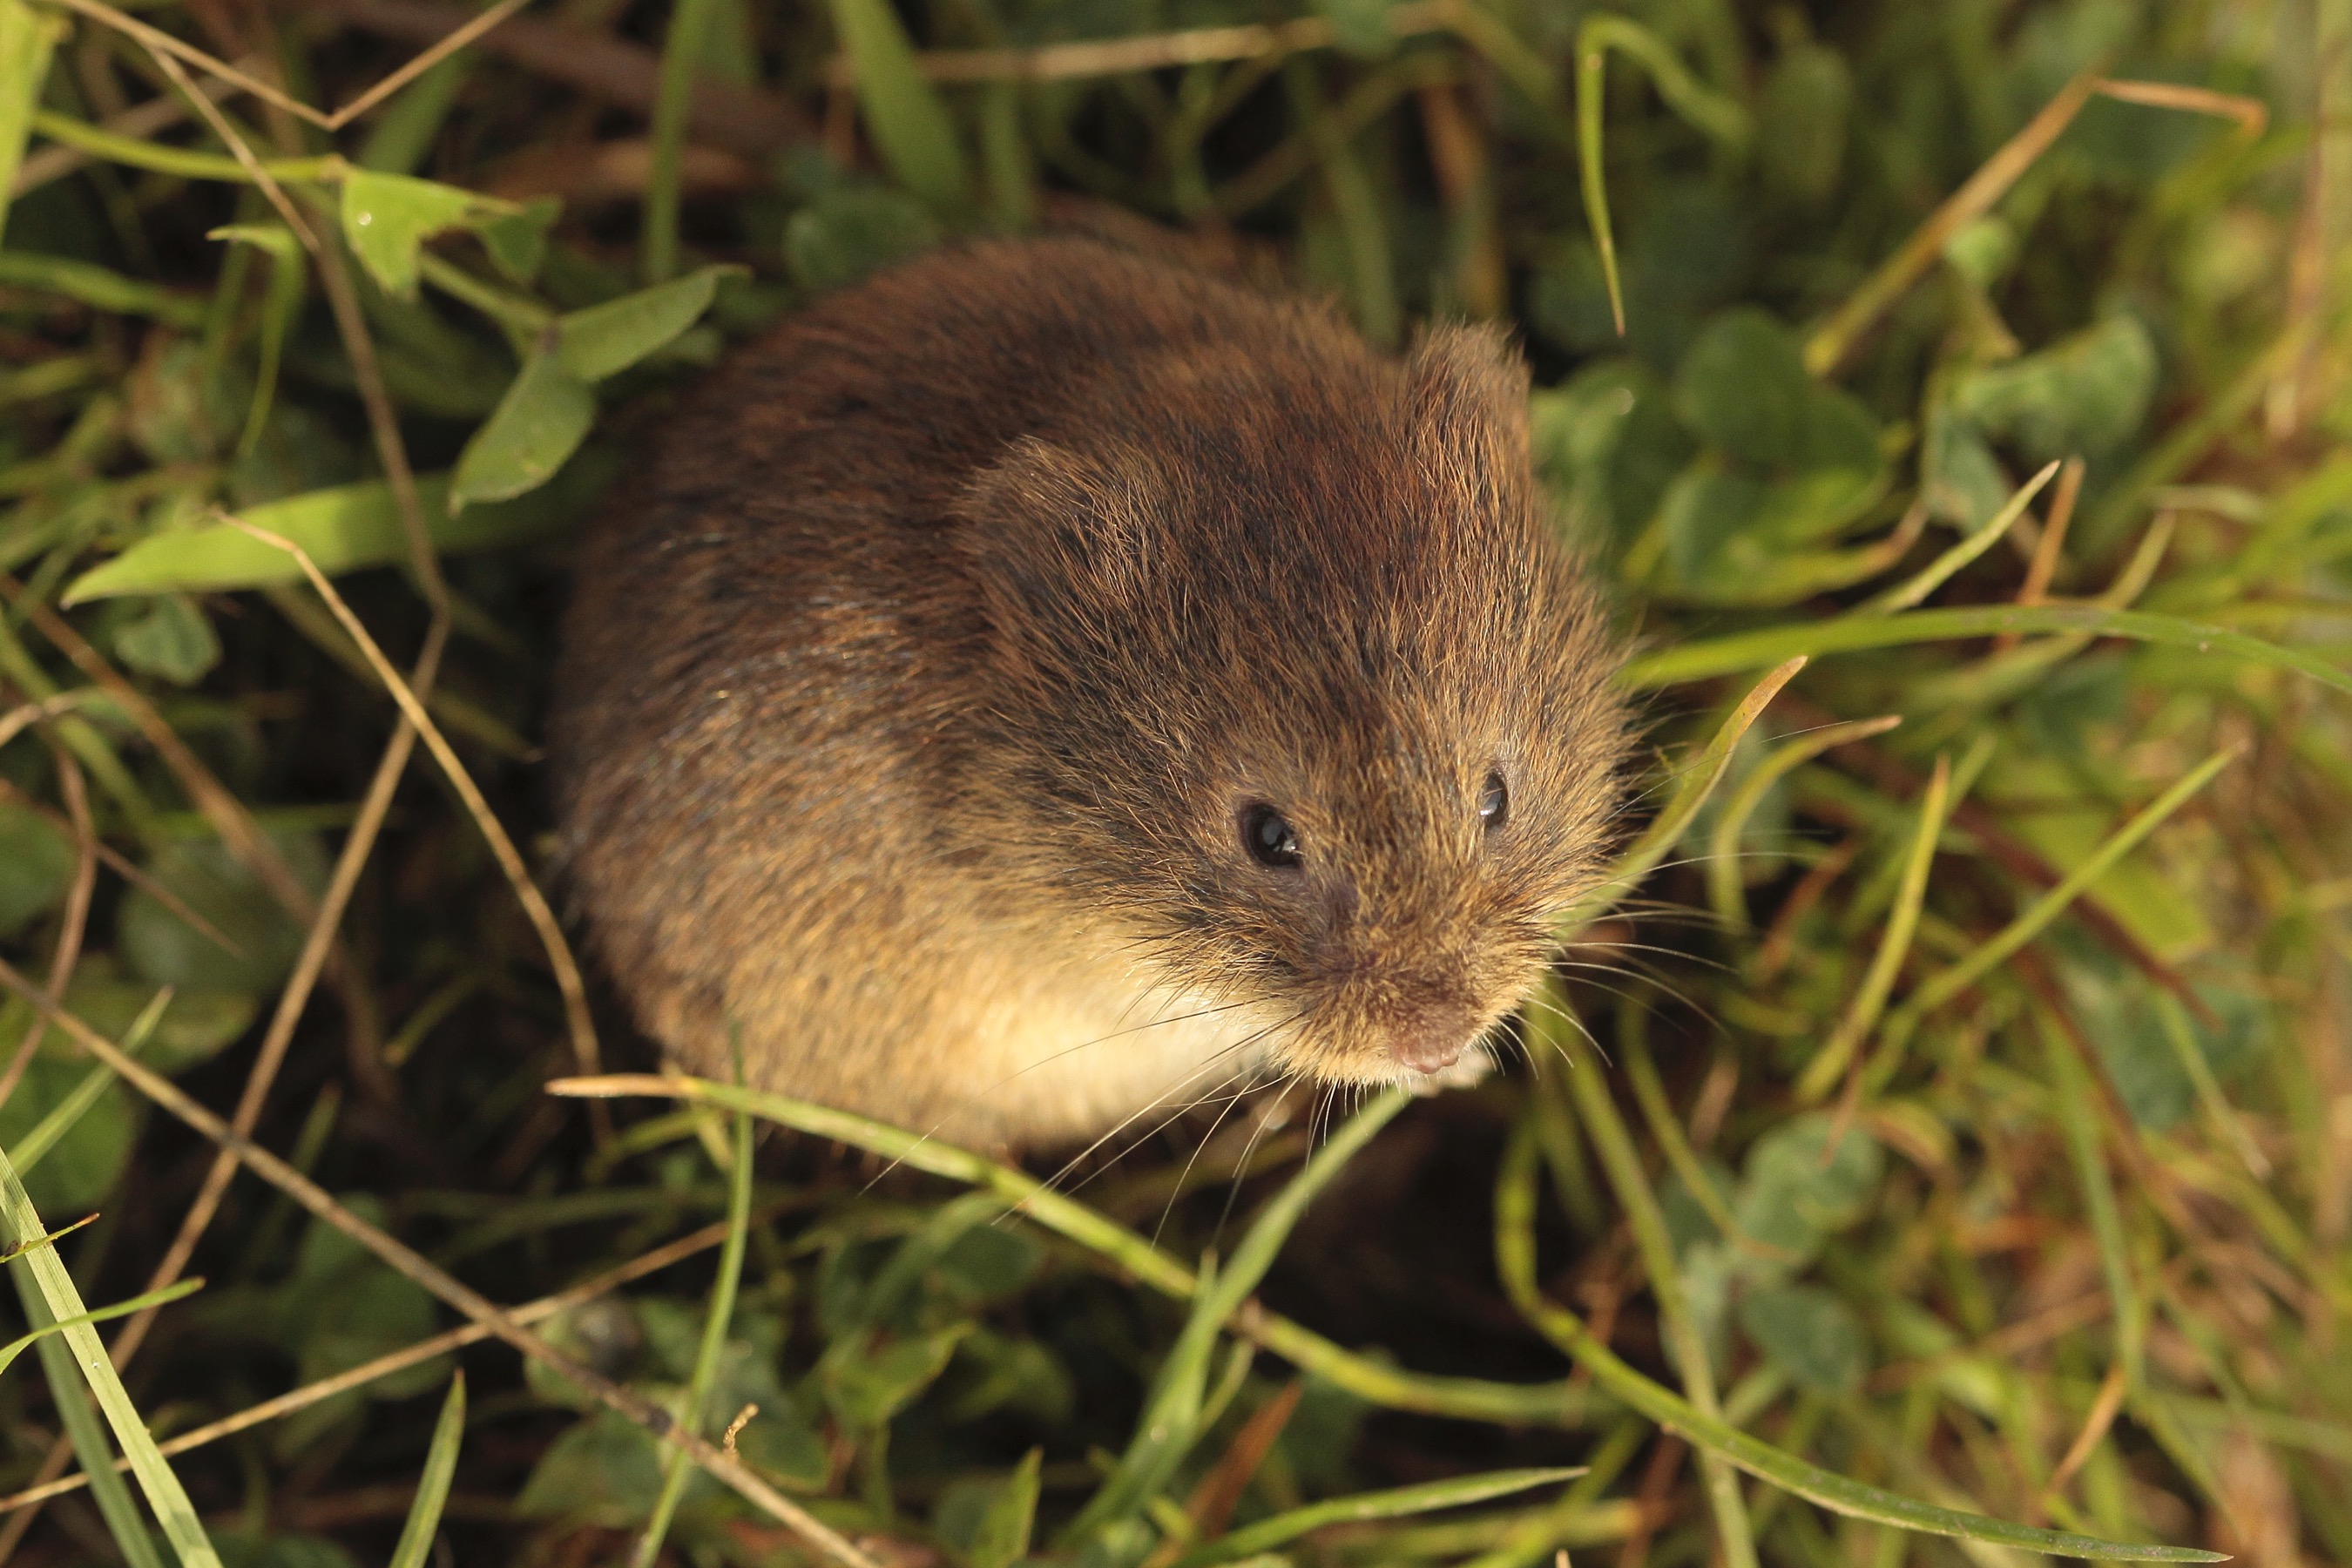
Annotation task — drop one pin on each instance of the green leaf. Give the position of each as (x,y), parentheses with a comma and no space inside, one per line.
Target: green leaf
(433,1486)
(540,421)
(1808,1333)
(864,1391)
(516,241)
(28,38)
(607,338)
(37,865)
(844,235)
(387,217)
(1801,144)
(1003,1536)
(988,1263)
(165,950)
(781,1444)
(1395,1503)
(94,1127)
(1515,1257)
(341,1307)
(904,112)
(1743,386)
(194,1025)
(603,1471)
(1791,1198)
(342,528)
(2088,393)
(173,639)
(1607,445)
(1959,477)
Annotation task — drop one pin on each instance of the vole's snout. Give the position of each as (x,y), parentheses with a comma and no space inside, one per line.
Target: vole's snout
(1433,1042)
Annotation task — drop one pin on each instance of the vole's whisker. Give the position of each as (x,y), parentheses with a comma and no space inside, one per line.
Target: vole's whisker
(1189,1106)
(1233,1188)
(1177,1191)
(1573,1022)
(969,1102)
(1054,1182)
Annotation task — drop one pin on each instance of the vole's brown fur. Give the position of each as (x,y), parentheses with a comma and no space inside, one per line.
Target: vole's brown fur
(916,690)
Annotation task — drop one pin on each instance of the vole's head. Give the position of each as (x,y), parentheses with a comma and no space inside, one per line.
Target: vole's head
(1293,691)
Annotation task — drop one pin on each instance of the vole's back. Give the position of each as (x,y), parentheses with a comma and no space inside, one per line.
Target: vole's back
(853,619)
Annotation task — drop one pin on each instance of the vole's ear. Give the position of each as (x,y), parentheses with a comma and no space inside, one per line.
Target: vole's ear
(1469,392)
(1054,531)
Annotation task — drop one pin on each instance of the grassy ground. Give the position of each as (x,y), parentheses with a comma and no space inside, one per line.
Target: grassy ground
(1972,1153)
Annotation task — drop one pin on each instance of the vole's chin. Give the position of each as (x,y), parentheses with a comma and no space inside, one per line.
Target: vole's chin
(1382,1069)
(1469,1067)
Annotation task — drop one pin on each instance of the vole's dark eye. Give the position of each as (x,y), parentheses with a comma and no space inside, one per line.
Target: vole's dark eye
(1494,802)
(1268,836)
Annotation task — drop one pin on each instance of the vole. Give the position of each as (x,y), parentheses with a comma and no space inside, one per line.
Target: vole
(1041,685)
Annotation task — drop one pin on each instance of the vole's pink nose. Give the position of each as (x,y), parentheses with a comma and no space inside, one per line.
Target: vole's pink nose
(1432,1044)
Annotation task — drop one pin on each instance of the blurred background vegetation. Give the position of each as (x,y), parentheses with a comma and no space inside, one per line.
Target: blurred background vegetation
(1976,1121)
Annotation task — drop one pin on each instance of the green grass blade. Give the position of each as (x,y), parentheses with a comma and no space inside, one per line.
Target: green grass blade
(2031,923)
(1397,1502)
(1592,82)
(100,288)
(179,161)
(909,123)
(1658,1114)
(1554,1403)
(1712,657)
(682,50)
(2079,1123)
(1588,1089)
(44,1272)
(1723,118)
(1861,1014)
(433,1486)
(1170,1421)
(1698,783)
(1915,589)
(1355,204)
(116,1506)
(28,38)
(31,1148)
(1514,1260)
(1723,882)
(165,1296)
(676,1465)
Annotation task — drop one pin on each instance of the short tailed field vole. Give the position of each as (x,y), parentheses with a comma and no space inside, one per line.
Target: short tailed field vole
(1042,684)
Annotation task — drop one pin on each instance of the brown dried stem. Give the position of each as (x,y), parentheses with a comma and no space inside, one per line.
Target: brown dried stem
(1151,51)
(511,861)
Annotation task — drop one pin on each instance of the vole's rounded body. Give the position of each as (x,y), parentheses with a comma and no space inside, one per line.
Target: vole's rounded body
(1041,685)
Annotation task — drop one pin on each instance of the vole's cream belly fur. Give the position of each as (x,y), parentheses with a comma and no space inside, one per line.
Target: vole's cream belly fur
(1022,1031)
